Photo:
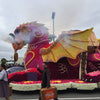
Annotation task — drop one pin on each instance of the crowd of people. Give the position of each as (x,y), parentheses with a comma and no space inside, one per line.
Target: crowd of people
(13,65)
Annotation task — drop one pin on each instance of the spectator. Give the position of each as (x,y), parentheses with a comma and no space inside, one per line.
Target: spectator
(4,89)
(45,76)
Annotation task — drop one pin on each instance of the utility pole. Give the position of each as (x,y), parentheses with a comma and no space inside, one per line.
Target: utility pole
(53,17)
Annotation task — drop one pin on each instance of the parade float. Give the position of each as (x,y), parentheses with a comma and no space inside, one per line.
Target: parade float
(73,58)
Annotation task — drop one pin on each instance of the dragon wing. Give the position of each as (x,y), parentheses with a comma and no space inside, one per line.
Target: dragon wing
(69,44)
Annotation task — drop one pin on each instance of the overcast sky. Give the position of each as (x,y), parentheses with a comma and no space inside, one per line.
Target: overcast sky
(70,14)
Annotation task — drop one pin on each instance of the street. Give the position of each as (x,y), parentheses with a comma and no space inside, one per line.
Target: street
(70,94)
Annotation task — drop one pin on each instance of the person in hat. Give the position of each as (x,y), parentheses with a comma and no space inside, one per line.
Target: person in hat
(4,89)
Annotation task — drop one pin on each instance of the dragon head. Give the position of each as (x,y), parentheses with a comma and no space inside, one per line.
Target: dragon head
(29,33)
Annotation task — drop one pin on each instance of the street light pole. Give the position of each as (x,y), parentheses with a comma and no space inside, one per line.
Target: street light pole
(53,17)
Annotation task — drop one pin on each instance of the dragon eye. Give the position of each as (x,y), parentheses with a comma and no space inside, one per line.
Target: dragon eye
(17,31)
(38,34)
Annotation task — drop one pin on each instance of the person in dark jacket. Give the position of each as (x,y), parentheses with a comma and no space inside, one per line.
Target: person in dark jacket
(45,76)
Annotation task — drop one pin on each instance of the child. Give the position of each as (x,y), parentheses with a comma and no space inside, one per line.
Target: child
(4,89)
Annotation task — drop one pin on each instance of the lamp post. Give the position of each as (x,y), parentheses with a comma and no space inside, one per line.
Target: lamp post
(53,17)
